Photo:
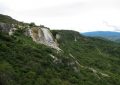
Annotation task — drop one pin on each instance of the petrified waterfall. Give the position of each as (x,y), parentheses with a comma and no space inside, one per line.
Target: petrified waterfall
(47,35)
(43,36)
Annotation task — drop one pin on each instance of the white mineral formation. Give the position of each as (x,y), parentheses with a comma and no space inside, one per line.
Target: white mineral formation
(43,36)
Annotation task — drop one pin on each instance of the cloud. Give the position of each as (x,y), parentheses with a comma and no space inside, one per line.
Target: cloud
(67,9)
(3,8)
(115,28)
(80,15)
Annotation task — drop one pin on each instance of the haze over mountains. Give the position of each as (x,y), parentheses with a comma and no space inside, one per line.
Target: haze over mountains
(110,35)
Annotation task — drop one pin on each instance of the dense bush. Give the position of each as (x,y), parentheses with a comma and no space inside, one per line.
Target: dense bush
(24,62)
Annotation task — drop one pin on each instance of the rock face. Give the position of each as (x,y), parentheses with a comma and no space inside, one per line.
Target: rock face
(43,36)
(5,27)
(40,35)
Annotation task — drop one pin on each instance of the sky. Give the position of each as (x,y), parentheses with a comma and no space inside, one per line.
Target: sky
(78,15)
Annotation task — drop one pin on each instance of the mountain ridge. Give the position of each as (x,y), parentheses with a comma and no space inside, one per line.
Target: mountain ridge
(82,61)
(110,35)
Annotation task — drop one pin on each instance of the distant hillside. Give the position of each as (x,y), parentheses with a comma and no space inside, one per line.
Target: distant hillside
(114,36)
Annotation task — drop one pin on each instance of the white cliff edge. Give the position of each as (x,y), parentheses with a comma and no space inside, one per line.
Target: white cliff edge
(40,35)
(43,36)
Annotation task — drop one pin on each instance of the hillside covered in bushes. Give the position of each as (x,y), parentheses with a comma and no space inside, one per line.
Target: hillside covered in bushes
(81,60)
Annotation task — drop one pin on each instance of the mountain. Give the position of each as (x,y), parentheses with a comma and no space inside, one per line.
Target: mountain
(28,57)
(9,20)
(114,36)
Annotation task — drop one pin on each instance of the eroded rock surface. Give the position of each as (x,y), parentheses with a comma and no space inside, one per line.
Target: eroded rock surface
(43,36)
(5,27)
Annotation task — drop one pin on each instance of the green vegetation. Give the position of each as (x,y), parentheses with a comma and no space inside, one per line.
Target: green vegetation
(32,24)
(7,19)
(10,20)
(82,61)
(100,54)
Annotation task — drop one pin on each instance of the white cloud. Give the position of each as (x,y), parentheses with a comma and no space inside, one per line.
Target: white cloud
(80,15)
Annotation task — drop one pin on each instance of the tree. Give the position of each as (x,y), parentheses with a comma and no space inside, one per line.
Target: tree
(32,24)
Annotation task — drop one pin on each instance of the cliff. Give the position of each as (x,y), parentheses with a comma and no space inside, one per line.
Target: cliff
(39,34)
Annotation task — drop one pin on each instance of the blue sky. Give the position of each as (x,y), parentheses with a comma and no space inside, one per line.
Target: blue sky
(79,15)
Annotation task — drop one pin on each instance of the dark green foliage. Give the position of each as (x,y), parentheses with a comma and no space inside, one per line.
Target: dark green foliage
(32,24)
(7,19)
(99,54)
(23,62)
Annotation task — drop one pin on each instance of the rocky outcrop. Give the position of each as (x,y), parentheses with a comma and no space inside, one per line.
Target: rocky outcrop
(39,34)
(43,36)
(5,27)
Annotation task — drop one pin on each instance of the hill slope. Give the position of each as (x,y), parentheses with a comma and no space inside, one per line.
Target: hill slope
(81,61)
(7,19)
(10,20)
